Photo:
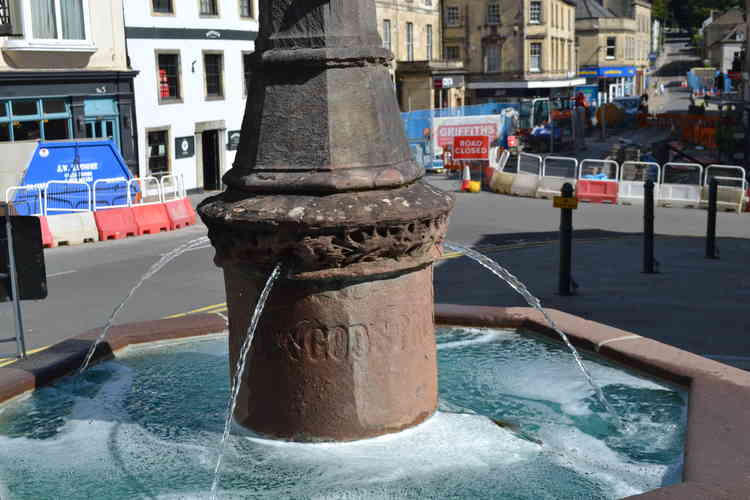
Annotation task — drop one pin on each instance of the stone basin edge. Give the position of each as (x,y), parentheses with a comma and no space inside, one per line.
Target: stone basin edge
(717,444)
(717,447)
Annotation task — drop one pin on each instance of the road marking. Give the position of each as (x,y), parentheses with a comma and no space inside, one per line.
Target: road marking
(33,351)
(218,308)
(62,273)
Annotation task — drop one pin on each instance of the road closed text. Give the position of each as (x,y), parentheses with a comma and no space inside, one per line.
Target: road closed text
(471,147)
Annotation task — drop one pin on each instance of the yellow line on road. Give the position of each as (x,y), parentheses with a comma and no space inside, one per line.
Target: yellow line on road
(33,351)
(218,308)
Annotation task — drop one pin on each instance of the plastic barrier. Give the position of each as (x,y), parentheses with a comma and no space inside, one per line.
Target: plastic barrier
(732,188)
(116,223)
(27,200)
(684,194)
(67,197)
(633,175)
(594,185)
(172,188)
(73,229)
(110,193)
(527,178)
(149,211)
(501,180)
(190,211)
(47,240)
(554,176)
(179,216)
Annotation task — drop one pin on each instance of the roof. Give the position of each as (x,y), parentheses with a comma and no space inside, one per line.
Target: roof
(591,9)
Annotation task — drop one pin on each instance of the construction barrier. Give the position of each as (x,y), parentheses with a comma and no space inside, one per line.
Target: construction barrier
(556,171)
(66,197)
(149,211)
(732,188)
(633,175)
(528,174)
(190,211)
(594,185)
(172,188)
(114,217)
(73,229)
(502,178)
(179,216)
(680,185)
(47,240)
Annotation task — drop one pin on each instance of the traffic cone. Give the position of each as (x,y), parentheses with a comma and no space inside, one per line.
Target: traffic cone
(466,179)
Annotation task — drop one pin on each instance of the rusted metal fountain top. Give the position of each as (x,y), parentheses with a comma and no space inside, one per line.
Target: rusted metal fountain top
(324,182)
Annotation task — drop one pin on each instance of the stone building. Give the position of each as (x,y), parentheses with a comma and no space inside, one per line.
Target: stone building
(193,59)
(412,30)
(64,73)
(512,49)
(614,43)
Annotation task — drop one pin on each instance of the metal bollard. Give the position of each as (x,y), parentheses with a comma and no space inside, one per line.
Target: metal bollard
(648,227)
(713,192)
(565,283)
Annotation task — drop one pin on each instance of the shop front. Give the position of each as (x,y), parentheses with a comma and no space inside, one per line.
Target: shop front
(612,81)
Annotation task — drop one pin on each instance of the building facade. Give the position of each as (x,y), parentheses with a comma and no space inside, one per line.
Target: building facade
(614,45)
(193,61)
(412,31)
(512,49)
(64,73)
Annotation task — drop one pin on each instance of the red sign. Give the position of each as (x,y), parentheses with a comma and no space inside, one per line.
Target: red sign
(471,147)
(512,141)
(446,133)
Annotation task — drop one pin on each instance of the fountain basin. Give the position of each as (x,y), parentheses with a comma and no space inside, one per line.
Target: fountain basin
(717,453)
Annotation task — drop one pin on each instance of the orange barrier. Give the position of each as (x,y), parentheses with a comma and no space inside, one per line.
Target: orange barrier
(190,211)
(151,219)
(47,240)
(116,223)
(178,214)
(596,191)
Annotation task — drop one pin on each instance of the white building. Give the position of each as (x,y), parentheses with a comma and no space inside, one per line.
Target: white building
(190,91)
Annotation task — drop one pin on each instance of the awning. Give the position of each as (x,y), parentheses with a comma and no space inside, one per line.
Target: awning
(528,84)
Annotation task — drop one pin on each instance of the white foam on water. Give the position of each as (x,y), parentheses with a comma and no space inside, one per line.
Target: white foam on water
(481,338)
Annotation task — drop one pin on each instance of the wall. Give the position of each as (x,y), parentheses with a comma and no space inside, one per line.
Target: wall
(195,112)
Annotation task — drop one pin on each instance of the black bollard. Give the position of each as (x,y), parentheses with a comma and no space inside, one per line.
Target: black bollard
(566,243)
(713,192)
(648,227)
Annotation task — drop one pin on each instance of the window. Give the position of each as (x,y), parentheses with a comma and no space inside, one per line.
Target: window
(209,8)
(162,7)
(248,70)
(158,152)
(452,16)
(493,13)
(213,66)
(429,41)
(492,58)
(409,41)
(246,8)
(57,20)
(452,53)
(387,34)
(6,27)
(535,12)
(168,73)
(535,62)
(47,119)
(611,47)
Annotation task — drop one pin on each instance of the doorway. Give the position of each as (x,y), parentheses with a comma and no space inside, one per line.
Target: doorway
(211,160)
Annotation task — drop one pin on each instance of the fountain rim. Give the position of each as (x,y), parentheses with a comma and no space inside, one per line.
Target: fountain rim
(717,448)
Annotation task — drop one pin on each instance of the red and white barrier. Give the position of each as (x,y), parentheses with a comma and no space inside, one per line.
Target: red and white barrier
(591,188)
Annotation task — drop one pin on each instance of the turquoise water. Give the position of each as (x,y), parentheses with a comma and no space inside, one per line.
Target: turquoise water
(148,425)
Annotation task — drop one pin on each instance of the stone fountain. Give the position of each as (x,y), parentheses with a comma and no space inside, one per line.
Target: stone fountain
(324,183)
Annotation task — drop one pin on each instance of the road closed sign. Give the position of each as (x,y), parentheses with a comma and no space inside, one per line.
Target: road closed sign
(471,147)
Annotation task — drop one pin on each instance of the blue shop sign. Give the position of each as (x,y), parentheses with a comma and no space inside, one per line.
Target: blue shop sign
(607,71)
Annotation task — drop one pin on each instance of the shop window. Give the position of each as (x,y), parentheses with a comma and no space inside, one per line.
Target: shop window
(158,152)
(26,130)
(24,108)
(209,8)
(4,132)
(246,8)
(56,130)
(162,7)
(57,19)
(169,77)
(213,67)
(54,106)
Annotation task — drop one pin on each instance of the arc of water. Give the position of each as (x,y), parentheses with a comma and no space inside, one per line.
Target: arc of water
(155,268)
(240,368)
(534,302)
